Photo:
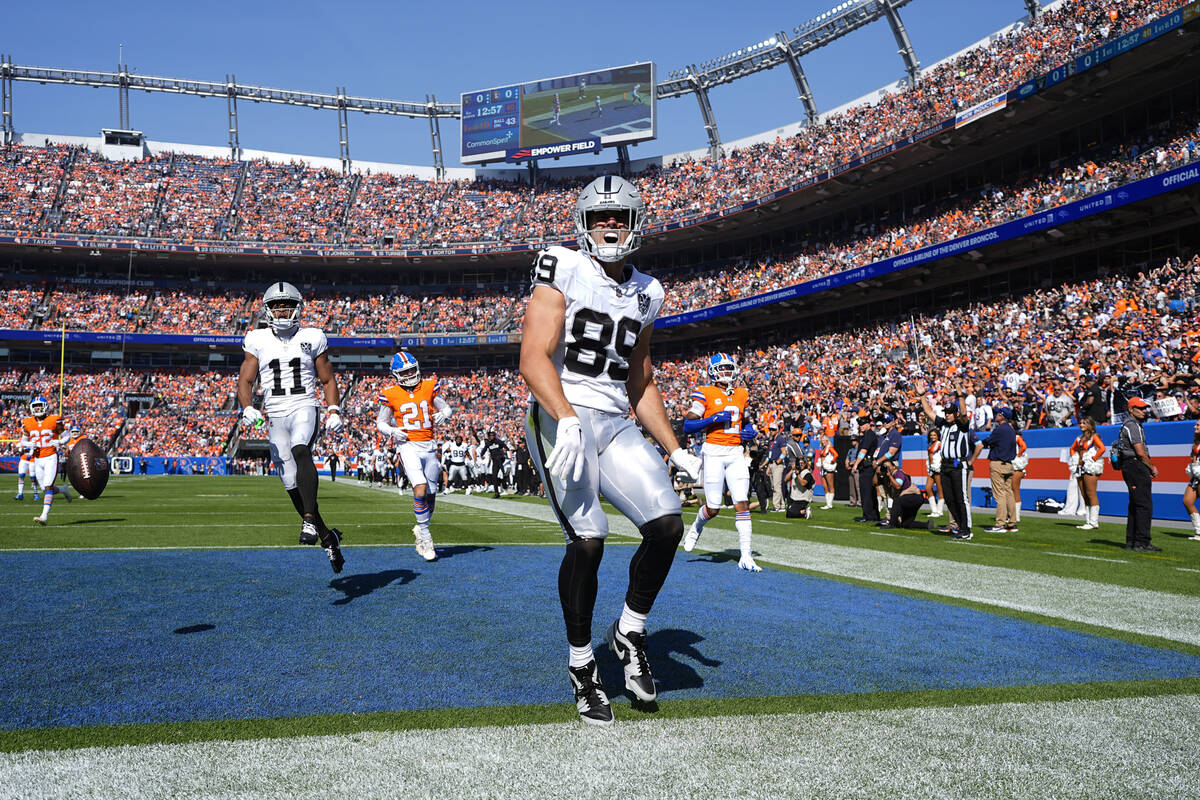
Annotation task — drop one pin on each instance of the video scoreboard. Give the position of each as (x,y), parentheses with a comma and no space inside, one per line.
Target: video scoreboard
(568,115)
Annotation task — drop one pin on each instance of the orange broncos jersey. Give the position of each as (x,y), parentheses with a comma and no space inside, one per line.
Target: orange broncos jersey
(715,399)
(413,410)
(43,433)
(72,442)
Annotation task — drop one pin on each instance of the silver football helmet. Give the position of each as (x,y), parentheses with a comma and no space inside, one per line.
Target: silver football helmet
(609,193)
(282,305)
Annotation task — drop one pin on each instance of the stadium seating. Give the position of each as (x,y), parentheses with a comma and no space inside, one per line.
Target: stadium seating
(296,203)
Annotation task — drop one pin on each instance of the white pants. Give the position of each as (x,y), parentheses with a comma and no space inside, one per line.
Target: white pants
(286,431)
(25,468)
(421,465)
(724,465)
(458,472)
(45,470)
(619,463)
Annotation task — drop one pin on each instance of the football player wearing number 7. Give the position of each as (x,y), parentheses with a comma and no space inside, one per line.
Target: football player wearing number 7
(585,354)
(289,362)
(720,411)
(407,413)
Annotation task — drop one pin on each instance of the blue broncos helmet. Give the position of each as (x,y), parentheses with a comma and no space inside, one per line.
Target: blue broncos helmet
(722,369)
(38,406)
(406,370)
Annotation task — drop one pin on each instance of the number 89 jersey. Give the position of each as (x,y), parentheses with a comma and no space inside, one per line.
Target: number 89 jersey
(286,372)
(601,328)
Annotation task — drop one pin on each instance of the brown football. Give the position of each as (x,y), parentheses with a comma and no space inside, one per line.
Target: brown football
(87,468)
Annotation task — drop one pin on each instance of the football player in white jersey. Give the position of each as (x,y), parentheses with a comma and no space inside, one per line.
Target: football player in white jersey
(289,361)
(585,354)
(456,464)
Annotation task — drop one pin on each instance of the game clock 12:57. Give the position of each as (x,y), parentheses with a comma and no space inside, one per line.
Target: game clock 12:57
(491,120)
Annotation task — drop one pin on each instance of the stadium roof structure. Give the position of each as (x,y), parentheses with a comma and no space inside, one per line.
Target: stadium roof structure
(780,48)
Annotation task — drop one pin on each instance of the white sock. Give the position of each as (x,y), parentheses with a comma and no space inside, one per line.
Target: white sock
(631,621)
(47,501)
(1195,518)
(579,656)
(702,517)
(20,485)
(742,523)
(1018,507)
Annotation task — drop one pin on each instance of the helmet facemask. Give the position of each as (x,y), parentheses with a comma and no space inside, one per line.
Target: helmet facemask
(609,194)
(283,314)
(39,407)
(610,244)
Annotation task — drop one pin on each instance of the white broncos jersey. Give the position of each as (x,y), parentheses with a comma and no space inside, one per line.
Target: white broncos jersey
(286,370)
(603,322)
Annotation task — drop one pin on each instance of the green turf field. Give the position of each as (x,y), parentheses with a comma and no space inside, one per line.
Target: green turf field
(1089,739)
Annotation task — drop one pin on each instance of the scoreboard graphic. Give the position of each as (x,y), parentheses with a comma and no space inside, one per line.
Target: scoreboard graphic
(567,115)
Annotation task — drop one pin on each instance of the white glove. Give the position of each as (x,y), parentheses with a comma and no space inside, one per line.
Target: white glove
(400,435)
(688,465)
(566,459)
(333,422)
(252,417)
(440,416)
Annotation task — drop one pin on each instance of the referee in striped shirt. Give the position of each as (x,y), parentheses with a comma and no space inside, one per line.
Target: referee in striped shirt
(959,450)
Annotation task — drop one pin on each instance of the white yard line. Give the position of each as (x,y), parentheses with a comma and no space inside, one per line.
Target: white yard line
(1136,747)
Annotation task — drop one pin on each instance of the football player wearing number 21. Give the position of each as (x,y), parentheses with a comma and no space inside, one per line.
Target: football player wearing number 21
(585,354)
(289,361)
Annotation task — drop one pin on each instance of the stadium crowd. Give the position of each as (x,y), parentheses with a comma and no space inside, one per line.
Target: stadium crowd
(298,203)
(1134,334)
(205,310)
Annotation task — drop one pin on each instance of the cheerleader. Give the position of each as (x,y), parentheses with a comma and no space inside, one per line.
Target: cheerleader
(933,463)
(1019,465)
(1088,452)
(828,458)
(1193,487)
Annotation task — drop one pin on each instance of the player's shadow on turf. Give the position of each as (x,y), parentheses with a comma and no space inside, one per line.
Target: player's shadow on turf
(450,551)
(724,556)
(1109,542)
(93,521)
(355,586)
(671,652)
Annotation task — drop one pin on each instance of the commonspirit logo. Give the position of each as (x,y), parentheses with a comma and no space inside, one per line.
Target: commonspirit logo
(473,144)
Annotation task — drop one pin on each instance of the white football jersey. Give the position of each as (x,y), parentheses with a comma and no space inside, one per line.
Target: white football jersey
(601,328)
(381,460)
(456,453)
(286,371)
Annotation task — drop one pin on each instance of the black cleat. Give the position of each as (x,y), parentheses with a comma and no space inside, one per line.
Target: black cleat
(590,699)
(630,649)
(308,533)
(331,541)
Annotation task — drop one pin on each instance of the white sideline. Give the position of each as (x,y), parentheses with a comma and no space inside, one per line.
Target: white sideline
(1135,747)
(1143,611)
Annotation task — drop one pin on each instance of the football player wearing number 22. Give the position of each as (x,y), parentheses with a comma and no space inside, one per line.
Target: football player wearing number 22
(585,354)
(289,361)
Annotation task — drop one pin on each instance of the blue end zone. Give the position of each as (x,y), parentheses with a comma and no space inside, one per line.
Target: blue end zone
(134,637)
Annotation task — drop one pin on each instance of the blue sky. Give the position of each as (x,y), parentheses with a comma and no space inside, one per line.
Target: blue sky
(403,51)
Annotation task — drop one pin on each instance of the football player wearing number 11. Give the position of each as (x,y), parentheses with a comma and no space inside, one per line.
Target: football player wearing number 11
(289,361)
(585,354)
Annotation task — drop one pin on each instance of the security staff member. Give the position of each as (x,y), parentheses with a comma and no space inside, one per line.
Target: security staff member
(332,463)
(1138,472)
(959,449)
